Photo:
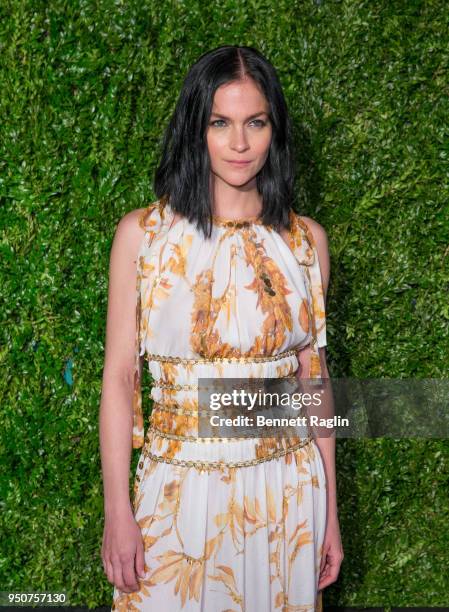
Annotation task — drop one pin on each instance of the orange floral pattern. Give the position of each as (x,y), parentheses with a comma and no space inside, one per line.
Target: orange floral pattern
(242,304)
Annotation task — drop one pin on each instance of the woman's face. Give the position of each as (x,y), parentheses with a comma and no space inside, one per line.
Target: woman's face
(239,132)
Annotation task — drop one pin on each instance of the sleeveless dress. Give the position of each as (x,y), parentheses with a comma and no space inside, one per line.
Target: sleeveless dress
(228,524)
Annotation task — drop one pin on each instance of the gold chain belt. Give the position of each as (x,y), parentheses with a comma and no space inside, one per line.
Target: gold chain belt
(178,387)
(170,436)
(255,359)
(161,407)
(186,387)
(206,466)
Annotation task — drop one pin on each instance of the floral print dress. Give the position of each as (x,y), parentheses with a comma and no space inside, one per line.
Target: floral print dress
(235,524)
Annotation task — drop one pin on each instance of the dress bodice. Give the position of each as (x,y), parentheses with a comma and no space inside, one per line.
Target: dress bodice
(241,301)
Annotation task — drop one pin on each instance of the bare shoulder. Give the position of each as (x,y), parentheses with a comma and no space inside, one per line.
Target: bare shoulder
(132,220)
(129,233)
(316,229)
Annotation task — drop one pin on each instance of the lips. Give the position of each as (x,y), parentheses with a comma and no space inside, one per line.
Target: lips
(238,162)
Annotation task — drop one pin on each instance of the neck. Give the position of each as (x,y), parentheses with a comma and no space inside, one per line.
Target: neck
(235,202)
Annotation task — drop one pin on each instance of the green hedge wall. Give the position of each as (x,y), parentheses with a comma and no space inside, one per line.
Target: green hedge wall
(86,90)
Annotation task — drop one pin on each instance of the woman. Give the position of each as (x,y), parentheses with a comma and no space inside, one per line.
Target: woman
(231,282)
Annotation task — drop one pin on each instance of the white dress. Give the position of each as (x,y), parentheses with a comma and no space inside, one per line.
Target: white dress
(237,524)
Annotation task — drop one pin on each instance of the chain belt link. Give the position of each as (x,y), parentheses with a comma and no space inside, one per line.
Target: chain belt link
(206,466)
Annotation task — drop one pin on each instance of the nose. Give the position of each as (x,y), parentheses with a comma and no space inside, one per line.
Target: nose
(239,140)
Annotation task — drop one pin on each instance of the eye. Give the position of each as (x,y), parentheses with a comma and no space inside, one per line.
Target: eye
(259,122)
(214,123)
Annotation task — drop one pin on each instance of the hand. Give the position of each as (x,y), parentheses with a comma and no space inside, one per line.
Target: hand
(122,552)
(332,556)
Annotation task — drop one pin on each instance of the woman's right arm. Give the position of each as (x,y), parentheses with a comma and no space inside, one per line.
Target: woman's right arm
(122,550)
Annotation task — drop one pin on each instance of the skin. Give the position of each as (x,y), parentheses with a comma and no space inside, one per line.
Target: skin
(239,128)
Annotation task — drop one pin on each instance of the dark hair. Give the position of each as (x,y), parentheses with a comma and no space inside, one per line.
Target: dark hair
(183,173)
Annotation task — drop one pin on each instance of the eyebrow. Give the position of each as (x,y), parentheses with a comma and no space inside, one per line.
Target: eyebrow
(247,118)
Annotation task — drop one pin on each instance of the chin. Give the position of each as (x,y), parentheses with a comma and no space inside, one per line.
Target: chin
(237,181)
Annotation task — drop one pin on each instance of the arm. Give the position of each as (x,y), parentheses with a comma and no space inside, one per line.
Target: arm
(325,444)
(332,551)
(116,415)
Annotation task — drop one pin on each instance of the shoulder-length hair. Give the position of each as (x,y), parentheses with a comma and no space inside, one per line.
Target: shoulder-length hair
(183,174)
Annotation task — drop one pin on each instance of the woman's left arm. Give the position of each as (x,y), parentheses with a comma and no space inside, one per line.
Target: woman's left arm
(332,548)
